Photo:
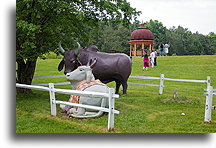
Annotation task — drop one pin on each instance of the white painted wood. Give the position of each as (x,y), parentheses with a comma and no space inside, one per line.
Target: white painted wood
(86,106)
(142,84)
(32,87)
(46,84)
(208,105)
(84,93)
(161,84)
(67,91)
(185,80)
(52,99)
(145,77)
(111,110)
(208,82)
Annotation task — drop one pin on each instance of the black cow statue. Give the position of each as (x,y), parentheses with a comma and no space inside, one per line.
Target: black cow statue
(109,66)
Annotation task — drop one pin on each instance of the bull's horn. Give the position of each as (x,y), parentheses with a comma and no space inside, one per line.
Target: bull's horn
(61,49)
(78,45)
(77,51)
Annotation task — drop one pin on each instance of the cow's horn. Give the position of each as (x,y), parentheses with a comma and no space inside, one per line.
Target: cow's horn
(61,49)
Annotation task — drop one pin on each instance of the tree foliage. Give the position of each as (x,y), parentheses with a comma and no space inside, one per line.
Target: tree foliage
(113,37)
(181,40)
(41,24)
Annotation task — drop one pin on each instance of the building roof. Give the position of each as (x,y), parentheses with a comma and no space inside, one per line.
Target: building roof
(142,33)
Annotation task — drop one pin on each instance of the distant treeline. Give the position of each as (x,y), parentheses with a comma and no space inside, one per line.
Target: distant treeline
(113,38)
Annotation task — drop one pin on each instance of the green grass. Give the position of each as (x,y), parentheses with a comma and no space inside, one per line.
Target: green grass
(142,110)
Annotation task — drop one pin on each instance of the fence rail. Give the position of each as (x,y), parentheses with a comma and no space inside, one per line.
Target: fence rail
(110,96)
(161,78)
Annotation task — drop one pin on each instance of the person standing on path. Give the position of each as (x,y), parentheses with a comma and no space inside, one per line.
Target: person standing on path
(145,60)
(152,57)
(166,49)
(161,50)
(155,59)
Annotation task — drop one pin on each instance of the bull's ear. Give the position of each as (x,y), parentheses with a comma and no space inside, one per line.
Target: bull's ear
(61,65)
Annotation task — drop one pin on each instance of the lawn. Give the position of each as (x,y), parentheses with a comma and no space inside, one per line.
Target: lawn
(142,110)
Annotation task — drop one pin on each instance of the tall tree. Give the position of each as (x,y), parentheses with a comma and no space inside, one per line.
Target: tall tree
(41,24)
(158,30)
(112,38)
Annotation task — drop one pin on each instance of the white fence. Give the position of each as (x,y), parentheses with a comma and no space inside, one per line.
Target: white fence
(210,92)
(110,96)
(162,79)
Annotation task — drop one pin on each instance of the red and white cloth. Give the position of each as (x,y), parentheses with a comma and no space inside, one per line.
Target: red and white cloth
(81,87)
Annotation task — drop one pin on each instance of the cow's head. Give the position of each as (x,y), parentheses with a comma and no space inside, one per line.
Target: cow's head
(82,72)
(70,60)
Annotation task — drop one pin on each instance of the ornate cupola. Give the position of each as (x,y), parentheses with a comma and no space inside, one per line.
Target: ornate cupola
(141,37)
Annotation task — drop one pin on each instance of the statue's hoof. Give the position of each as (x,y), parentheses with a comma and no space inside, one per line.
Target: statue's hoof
(72,111)
(124,95)
(62,106)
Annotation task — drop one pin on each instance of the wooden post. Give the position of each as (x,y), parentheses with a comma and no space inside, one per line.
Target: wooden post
(208,105)
(150,47)
(208,82)
(111,110)
(130,49)
(52,99)
(142,48)
(135,49)
(161,84)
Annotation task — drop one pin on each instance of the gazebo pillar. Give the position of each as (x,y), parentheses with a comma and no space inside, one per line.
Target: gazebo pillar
(143,45)
(150,48)
(131,48)
(135,52)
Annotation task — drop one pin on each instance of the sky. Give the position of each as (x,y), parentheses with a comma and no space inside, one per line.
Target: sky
(196,15)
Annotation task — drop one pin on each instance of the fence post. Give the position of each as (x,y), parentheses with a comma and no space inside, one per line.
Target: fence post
(161,84)
(208,81)
(52,99)
(111,108)
(208,105)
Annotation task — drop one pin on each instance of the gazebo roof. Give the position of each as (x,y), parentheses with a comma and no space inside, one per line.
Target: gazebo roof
(142,33)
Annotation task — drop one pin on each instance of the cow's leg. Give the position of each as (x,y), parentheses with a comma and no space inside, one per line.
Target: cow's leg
(118,84)
(124,85)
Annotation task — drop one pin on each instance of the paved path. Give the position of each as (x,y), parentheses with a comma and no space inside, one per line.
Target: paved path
(66,83)
(56,76)
(61,76)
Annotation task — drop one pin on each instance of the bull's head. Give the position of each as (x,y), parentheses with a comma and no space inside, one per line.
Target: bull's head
(70,60)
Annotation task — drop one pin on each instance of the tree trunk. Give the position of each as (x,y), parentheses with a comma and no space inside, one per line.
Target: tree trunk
(25,73)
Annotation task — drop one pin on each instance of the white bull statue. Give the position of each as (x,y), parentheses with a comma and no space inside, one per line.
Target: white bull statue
(82,79)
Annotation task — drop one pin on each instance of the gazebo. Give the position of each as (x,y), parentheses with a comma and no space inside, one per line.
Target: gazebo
(141,39)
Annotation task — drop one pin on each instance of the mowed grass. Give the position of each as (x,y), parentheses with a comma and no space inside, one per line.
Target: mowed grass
(142,110)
